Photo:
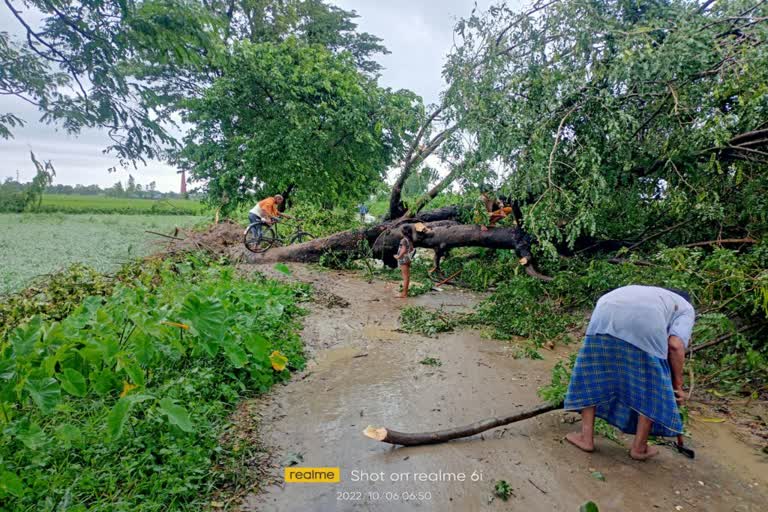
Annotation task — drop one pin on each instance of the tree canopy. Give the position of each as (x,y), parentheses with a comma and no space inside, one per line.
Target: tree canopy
(124,66)
(611,117)
(292,114)
(118,66)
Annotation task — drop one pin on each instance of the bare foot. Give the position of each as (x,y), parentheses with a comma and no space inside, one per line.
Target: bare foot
(576,439)
(483,228)
(650,451)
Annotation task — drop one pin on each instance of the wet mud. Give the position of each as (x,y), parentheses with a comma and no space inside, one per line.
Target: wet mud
(364,371)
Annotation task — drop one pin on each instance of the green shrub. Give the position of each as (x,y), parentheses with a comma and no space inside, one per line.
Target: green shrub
(121,404)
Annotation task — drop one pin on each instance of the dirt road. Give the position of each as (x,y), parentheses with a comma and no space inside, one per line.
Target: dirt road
(364,371)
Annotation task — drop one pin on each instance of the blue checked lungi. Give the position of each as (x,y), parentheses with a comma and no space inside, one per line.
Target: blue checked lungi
(623,381)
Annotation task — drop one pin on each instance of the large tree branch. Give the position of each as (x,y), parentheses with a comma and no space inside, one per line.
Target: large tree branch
(455,172)
(413,158)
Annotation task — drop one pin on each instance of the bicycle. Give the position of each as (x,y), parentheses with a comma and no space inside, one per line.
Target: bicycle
(269,236)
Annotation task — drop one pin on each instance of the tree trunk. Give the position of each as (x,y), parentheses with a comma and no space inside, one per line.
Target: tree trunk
(386,435)
(382,242)
(443,232)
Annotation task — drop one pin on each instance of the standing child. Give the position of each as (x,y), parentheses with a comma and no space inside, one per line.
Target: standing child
(404,256)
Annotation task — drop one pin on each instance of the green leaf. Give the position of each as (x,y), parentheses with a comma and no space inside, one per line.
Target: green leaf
(236,354)
(12,484)
(32,436)
(206,319)
(7,369)
(44,392)
(282,267)
(73,382)
(68,434)
(598,476)
(257,345)
(23,338)
(117,418)
(589,506)
(177,415)
(135,372)
(103,381)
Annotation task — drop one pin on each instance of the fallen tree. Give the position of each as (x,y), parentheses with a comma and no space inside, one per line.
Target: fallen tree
(386,435)
(438,230)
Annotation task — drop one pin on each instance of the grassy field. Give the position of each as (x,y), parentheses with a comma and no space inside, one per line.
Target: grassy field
(103,204)
(35,244)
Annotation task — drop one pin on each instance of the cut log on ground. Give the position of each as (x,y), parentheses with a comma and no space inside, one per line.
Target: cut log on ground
(386,435)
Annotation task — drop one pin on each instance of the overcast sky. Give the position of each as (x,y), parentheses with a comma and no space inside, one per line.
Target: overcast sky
(419,33)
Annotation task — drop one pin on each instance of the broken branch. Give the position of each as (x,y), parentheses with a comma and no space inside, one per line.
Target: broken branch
(386,435)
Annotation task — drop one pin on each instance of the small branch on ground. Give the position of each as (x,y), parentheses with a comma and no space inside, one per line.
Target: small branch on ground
(163,235)
(386,435)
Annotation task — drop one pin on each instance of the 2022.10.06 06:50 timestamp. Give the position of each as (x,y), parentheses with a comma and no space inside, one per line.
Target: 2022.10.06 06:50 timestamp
(383,496)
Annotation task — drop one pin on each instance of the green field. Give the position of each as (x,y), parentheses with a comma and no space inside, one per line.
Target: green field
(103,204)
(36,244)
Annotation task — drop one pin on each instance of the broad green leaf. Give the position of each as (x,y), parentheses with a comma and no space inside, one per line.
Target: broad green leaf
(589,506)
(177,415)
(117,418)
(235,354)
(12,484)
(135,372)
(211,346)
(32,436)
(68,433)
(258,346)
(73,382)
(103,381)
(45,393)
(206,317)
(143,348)
(23,338)
(597,475)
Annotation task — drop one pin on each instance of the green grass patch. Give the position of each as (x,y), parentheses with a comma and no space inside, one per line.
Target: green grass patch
(73,203)
(420,320)
(122,404)
(35,244)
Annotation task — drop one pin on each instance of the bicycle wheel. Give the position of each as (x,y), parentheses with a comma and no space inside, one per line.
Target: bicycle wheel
(300,237)
(255,243)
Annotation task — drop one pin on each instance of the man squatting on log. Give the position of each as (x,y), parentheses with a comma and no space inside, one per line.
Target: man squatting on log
(629,370)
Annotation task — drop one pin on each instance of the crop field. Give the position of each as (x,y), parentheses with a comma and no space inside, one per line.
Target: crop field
(102,204)
(36,244)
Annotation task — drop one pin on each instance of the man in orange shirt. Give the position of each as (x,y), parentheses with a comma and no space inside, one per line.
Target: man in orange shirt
(266,212)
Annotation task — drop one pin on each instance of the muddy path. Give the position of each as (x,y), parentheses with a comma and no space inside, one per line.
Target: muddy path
(363,371)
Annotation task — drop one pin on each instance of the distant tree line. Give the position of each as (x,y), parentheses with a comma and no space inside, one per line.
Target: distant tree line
(130,189)
(17,196)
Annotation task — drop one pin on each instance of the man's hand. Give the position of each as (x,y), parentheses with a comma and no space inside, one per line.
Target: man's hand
(680,396)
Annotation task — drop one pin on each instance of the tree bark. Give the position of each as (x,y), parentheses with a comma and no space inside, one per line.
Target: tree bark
(417,153)
(443,232)
(386,435)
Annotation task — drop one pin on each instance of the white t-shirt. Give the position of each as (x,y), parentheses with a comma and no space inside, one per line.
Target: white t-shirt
(644,316)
